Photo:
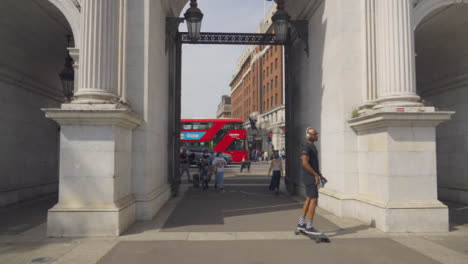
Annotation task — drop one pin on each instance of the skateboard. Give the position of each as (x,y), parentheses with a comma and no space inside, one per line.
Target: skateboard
(318,238)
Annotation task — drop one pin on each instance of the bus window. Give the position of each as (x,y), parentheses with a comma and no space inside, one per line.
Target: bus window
(237,144)
(237,126)
(201,126)
(186,126)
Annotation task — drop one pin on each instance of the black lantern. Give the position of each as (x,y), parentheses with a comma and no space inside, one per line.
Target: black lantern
(281,22)
(193,16)
(67,75)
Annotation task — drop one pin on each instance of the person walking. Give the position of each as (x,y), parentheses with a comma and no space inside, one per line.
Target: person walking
(220,163)
(281,154)
(205,169)
(277,167)
(265,156)
(311,178)
(184,164)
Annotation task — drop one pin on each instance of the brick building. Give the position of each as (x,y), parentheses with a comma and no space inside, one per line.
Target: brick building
(224,107)
(257,91)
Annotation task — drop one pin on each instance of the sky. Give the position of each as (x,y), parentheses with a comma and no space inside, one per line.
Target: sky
(207,70)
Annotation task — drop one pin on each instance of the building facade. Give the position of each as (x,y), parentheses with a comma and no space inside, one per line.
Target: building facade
(257,89)
(384,82)
(224,107)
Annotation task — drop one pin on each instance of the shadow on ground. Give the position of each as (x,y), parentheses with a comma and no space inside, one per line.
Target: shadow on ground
(17,218)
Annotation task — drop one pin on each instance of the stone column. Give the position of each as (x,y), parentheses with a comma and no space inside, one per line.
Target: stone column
(98,52)
(396,76)
(396,139)
(95,177)
(369,92)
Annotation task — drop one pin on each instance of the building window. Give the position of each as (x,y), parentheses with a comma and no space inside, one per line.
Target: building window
(263,74)
(267,71)
(271,85)
(276,63)
(276,99)
(271,67)
(271,101)
(267,87)
(276,81)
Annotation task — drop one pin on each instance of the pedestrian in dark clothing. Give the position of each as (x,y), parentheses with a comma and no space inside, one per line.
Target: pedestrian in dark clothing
(311,178)
(205,169)
(277,168)
(184,164)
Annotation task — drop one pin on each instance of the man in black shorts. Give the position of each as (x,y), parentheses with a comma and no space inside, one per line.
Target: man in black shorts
(311,177)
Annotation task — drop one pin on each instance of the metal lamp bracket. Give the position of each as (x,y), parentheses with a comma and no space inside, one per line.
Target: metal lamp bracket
(300,30)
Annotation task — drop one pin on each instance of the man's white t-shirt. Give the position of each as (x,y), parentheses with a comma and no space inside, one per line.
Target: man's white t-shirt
(220,162)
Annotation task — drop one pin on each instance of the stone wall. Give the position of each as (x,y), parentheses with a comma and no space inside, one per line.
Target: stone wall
(32,54)
(325,87)
(148,94)
(442,77)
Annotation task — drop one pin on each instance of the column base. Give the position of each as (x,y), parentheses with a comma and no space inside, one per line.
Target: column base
(147,206)
(95,183)
(403,216)
(397,171)
(399,101)
(94,96)
(90,221)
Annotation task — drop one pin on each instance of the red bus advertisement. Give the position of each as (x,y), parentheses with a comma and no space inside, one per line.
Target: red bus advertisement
(225,135)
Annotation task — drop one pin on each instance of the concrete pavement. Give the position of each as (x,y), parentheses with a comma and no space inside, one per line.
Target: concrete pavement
(244,224)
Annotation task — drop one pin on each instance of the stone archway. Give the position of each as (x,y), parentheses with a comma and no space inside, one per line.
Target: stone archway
(71,11)
(425,7)
(33,54)
(442,81)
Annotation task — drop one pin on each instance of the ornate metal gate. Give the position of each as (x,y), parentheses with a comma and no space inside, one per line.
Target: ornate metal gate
(174,43)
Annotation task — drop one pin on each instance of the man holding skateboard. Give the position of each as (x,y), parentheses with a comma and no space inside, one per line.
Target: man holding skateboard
(311,177)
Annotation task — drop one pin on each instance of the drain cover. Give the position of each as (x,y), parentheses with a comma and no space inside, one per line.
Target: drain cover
(42,260)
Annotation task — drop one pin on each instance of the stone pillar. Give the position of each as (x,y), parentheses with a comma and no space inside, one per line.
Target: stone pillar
(98,52)
(95,177)
(396,76)
(396,139)
(369,91)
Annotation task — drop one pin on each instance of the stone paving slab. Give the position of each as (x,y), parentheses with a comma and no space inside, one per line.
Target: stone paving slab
(250,225)
(349,251)
(458,244)
(237,209)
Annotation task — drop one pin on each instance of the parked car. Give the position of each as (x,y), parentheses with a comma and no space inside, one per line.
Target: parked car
(227,157)
(196,153)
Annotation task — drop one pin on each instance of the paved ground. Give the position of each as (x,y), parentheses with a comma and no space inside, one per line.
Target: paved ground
(244,224)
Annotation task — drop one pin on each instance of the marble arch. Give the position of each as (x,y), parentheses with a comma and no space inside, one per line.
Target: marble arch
(370,158)
(70,10)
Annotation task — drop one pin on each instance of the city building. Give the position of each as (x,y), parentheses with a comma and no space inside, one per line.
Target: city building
(224,107)
(257,91)
(384,82)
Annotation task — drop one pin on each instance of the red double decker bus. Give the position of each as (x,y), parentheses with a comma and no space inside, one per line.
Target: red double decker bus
(225,135)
